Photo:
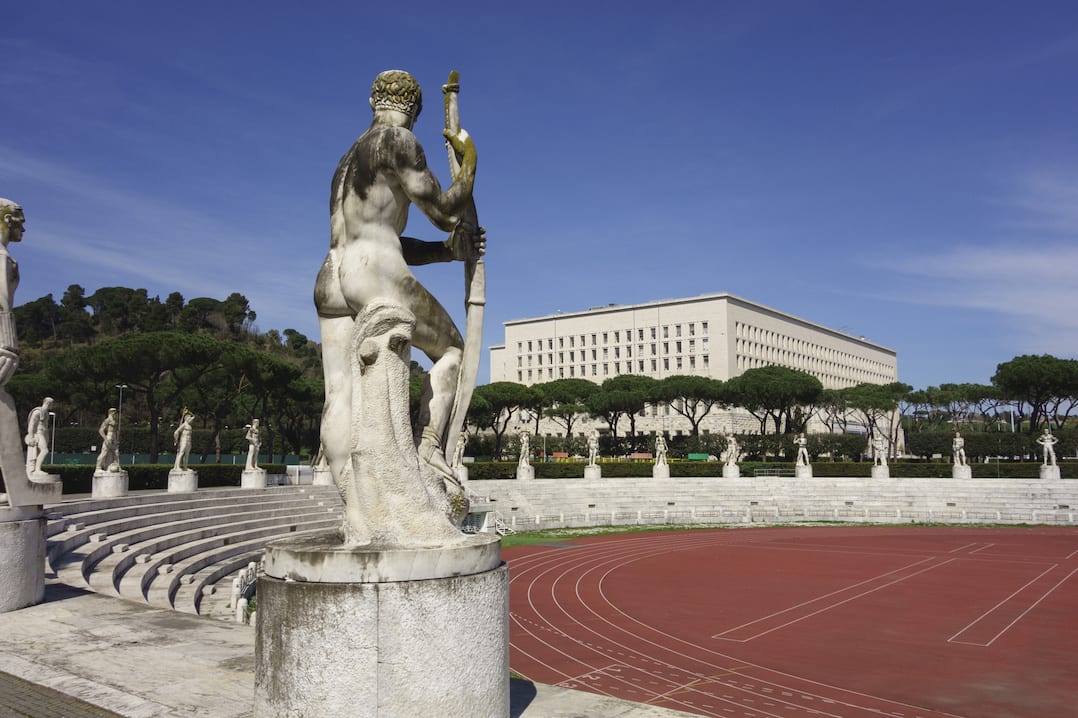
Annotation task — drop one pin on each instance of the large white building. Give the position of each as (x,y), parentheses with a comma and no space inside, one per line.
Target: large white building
(714,335)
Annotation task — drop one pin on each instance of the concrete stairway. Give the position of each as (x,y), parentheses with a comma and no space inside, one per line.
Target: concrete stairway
(170,550)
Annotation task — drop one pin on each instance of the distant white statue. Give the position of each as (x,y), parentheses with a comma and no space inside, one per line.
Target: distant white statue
(593,448)
(1048,442)
(733,451)
(879,451)
(660,450)
(802,450)
(181,437)
(37,437)
(254,442)
(458,451)
(109,458)
(525,450)
(958,448)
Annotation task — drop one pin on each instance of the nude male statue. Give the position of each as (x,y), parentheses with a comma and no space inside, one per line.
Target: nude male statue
(181,437)
(37,437)
(254,442)
(12,223)
(109,458)
(1048,442)
(383,173)
(958,449)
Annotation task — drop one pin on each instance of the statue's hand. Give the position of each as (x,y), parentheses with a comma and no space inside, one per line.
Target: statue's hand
(9,360)
(460,141)
(467,242)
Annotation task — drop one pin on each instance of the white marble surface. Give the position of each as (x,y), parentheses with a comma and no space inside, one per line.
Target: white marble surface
(182,481)
(109,484)
(325,559)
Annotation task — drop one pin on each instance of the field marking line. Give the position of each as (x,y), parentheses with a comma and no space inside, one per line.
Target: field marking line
(1023,613)
(604,669)
(982,548)
(960,548)
(820,598)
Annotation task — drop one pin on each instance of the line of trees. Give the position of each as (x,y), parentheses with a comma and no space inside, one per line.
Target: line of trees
(208,355)
(1027,392)
(204,354)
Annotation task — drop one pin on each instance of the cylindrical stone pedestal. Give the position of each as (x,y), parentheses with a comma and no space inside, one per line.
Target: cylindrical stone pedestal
(881,472)
(109,484)
(322,476)
(525,473)
(388,634)
(803,472)
(253,479)
(1049,472)
(961,472)
(593,472)
(22,557)
(660,471)
(182,481)
(731,471)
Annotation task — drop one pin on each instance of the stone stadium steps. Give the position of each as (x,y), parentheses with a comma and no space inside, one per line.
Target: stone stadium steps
(155,547)
(209,591)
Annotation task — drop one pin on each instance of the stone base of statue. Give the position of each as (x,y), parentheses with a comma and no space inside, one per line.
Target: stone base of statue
(731,471)
(461,474)
(525,473)
(108,484)
(43,478)
(22,557)
(593,472)
(881,472)
(1050,472)
(660,471)
(253,479)
(394,632)
(803,472)
(322,476)
(182,481)
(958,471)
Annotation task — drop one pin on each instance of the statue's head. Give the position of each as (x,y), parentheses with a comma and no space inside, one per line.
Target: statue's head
(12,220)
(112,412)
(46,403)
(397,90)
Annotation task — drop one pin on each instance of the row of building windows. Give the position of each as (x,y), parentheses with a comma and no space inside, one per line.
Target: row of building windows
(679,347)
(755,347)
(642,334)
(642,366)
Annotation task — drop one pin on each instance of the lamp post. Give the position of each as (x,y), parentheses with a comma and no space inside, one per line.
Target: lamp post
(52,439)
(119,416)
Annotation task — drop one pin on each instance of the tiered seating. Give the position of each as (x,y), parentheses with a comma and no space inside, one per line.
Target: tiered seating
(170,549)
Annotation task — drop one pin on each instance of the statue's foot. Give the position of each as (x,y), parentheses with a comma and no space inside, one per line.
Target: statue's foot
(430,452)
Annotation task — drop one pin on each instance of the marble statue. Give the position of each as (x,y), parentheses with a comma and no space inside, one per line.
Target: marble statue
(12,223)
(458,450)
(958,449)
(733,451)
(181,437)
(879,451)
(1048,442)
(254,443)
(109,458)
(372,309)
(21,489)
(525,450)
(593,448)
(37,437)
(660,449)
(802,450)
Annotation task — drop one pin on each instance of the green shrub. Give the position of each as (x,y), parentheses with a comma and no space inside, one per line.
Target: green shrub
(78,478)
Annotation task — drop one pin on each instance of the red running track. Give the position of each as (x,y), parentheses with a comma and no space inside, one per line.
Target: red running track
(825,621)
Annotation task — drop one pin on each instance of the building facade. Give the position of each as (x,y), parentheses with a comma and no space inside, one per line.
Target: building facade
(715,335)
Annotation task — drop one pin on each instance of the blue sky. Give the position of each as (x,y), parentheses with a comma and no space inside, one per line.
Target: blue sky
(903,171)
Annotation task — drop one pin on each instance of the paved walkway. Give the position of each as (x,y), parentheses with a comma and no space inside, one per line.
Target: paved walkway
(84,655)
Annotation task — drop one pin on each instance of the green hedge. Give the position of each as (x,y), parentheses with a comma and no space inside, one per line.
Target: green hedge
(78,479)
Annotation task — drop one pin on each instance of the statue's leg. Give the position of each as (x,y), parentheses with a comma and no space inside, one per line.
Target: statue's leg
(438,338)
(336,433)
